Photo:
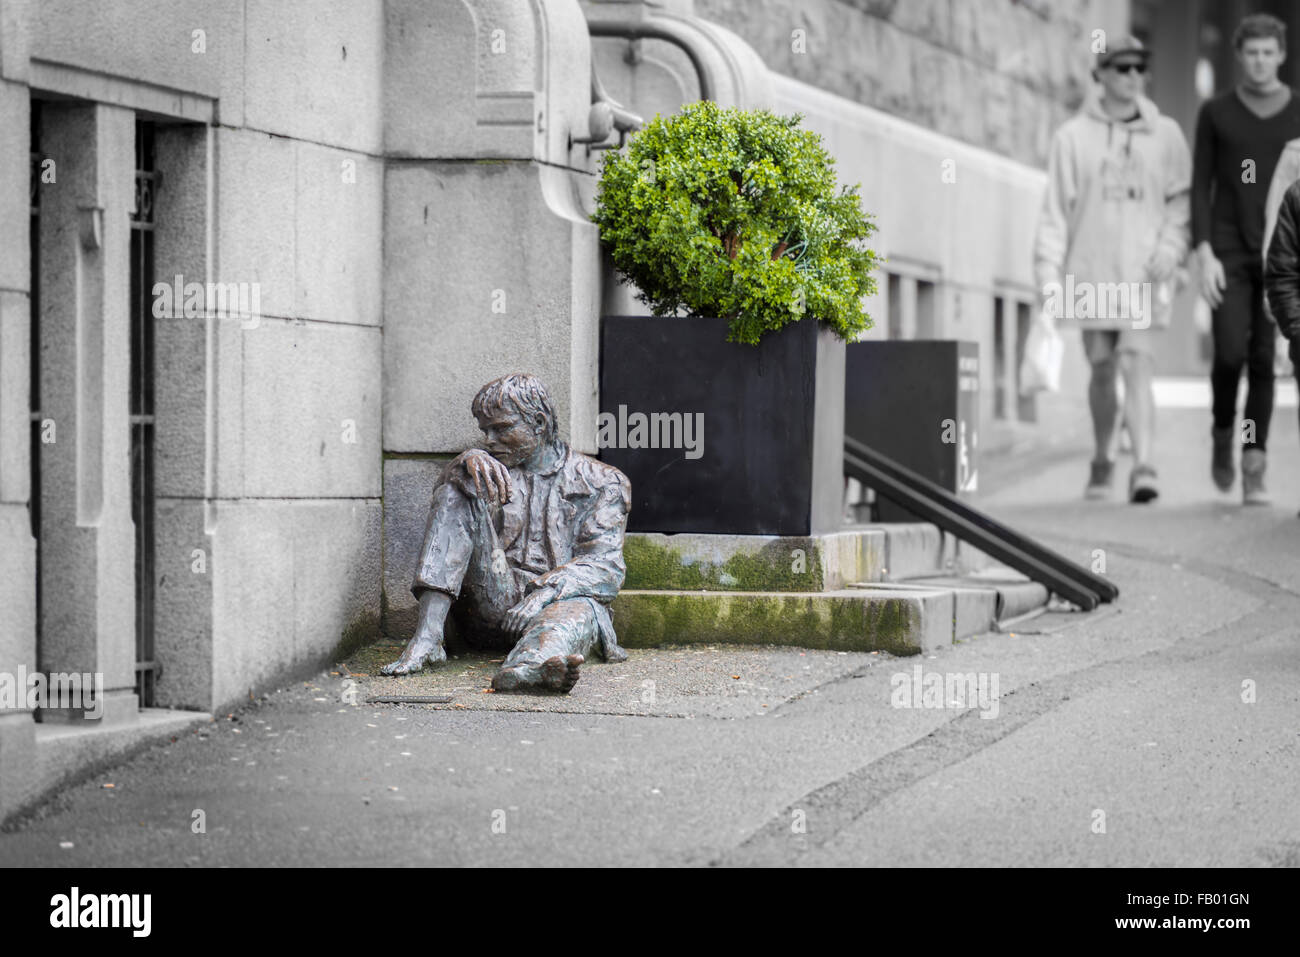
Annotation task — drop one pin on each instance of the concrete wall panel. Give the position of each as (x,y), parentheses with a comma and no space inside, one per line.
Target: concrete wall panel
(141,41)
(185,565)
(339,236)
(15,254)
(291,614)
(311,415)
(314,71)
(15,414)
(483,287)
(256,229)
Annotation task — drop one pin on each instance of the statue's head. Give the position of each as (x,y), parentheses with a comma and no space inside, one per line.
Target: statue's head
(516,415)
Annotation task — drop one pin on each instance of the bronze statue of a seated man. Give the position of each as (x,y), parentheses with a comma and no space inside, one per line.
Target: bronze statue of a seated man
(524,547)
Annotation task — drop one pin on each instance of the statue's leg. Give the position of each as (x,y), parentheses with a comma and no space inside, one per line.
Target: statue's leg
(458,561)
(552,648)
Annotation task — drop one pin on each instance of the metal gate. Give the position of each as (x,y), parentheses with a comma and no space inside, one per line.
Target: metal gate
(142,407)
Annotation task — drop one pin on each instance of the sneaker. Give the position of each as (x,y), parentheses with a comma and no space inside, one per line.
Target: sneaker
(1253,464)
(1221,467)
(1101,482)
(1142,485)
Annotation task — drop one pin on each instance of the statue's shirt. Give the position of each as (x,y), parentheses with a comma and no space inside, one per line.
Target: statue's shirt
(528,551)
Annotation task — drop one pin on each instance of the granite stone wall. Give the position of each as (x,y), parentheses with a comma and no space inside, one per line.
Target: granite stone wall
(1000,74)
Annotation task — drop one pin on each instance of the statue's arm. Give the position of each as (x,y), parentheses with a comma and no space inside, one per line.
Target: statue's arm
(476,473)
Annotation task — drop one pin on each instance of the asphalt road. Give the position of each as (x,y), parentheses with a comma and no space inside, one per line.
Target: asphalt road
(1163,730)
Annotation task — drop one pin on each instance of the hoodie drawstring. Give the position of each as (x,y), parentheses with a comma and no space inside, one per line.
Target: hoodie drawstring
(1128,140)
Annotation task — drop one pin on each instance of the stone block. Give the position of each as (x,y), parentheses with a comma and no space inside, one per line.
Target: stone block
(184,569)
(181,405)
(497,275)
(157,47)
(338,247)
(899,621)
(692,562)
(15,397)
(311,414)
(314,71)
(429,47)
(15,39)
(17,589)
(19,779)
(932,20)
(296,584)
(257,216)
(15,194)
(927,61)
(513,80)
(408,486)
(184,415)
(912,550)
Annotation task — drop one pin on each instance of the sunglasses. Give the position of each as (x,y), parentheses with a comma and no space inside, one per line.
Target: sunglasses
(1138,68)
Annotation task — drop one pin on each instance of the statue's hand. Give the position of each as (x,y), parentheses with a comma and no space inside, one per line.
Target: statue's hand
(476,473)
(521,615)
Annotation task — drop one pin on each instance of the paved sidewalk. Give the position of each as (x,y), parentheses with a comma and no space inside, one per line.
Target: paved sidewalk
(1138,711)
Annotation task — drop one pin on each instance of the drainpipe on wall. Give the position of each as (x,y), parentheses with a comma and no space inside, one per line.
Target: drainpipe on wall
(660,28)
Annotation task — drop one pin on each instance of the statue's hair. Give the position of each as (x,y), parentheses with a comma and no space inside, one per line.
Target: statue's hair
(519,392)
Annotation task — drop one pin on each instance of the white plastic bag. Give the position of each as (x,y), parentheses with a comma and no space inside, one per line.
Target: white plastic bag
(1040,369)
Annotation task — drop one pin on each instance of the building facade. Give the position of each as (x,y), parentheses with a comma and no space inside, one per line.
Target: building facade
(256,256)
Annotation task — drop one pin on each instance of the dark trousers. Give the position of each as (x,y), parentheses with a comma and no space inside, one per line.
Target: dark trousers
(1243,336)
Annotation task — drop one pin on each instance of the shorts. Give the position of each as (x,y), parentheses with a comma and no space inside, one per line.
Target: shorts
(1102,344)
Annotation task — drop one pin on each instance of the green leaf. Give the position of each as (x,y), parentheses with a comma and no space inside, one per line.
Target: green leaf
(694,210)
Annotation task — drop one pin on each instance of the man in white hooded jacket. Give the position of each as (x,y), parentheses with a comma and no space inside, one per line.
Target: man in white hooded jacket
(1114,228)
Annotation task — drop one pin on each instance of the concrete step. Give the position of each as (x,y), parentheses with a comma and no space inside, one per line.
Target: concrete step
(901,621)
(817,563)
(69,752)
(902,618)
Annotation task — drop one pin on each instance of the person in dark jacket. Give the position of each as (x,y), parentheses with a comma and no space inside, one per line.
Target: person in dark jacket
(1282,273)
(1239,139)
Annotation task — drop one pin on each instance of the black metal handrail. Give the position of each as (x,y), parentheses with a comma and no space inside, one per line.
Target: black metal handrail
(933,503)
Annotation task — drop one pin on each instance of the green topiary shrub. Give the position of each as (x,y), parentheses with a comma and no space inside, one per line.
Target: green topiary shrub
(735,213)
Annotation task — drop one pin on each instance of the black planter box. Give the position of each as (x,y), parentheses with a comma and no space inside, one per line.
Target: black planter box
(916,401)
(769,459)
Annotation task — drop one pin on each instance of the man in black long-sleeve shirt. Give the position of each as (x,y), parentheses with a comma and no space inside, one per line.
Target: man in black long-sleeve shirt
(1239,137)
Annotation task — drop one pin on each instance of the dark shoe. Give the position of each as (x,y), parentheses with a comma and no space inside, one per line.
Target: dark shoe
(1221,467)
(1101,482)
(1253,464)
(1142,485)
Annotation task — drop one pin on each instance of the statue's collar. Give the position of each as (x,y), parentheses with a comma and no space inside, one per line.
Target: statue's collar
(559,462)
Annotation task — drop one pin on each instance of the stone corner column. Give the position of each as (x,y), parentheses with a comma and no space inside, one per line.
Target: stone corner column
(87,536)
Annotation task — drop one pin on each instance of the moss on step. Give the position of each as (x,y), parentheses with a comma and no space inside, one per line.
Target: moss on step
(785,564)
(834,621)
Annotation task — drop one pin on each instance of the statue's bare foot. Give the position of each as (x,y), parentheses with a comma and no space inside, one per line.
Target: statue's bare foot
(561,674)
(615,655)
(418,653)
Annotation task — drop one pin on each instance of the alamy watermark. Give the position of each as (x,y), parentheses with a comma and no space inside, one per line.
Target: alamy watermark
(75,909)
(935,689)
(220,300)
(1131,302)
(62,690)
(656,430)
